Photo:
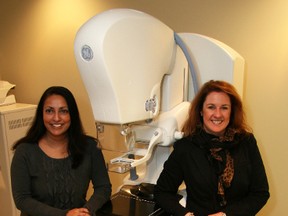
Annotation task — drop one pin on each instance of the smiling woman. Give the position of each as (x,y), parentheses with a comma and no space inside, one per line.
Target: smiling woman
(55,162)
(218,159)
(57,121)
(216,113)
(56,115)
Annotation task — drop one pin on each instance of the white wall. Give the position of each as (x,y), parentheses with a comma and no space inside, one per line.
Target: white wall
(36,51)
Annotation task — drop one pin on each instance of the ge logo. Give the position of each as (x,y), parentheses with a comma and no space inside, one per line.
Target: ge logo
(87,53)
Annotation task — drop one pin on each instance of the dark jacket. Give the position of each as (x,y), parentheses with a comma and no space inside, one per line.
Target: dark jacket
(189,162)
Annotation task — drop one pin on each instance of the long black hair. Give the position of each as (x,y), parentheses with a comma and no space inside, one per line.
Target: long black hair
(76,135)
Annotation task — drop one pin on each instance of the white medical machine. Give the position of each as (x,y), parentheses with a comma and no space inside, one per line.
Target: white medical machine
(15,119)
(140,77)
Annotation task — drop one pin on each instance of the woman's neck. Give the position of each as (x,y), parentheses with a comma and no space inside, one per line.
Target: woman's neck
(54,147)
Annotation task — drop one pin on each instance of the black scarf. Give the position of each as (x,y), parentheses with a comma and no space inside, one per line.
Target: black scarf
(218,152)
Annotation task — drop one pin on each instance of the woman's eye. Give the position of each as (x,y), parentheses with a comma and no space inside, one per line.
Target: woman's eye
(225,107)
(48,111)
(64,111)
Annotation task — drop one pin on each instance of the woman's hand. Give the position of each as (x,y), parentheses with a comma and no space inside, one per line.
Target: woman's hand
(78,212)
(218,214)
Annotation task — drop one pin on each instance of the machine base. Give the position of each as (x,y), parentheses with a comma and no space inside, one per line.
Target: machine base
(132,201)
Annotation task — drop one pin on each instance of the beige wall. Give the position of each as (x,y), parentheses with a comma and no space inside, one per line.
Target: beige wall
(36,51)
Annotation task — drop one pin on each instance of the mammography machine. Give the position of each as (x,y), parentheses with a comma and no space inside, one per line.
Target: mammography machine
(140,76)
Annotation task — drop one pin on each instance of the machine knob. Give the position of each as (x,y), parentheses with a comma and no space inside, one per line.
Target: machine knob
(178,135)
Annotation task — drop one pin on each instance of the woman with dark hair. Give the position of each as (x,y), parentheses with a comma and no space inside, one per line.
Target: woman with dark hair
(218,160)
(54,163)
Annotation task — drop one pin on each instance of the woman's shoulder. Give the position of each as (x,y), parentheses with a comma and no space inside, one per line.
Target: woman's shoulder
(26,147)
(27,150)
(90,140)
(247,142)
(184,144)
(91,143)
(247,138)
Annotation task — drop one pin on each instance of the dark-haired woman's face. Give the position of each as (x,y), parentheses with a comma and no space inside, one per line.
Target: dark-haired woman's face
(56,116)
(216,113)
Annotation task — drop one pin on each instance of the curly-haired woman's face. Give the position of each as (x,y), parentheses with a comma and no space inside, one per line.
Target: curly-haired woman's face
(56,116)
(216,113)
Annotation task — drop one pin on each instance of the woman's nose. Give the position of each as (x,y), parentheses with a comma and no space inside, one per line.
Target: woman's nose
(217,112)
(56,116)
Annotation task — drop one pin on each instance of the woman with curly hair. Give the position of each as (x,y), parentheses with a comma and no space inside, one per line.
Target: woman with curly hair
(218,160)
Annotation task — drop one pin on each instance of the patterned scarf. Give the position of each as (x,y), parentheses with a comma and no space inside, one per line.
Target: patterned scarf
(218,151)
(224,178)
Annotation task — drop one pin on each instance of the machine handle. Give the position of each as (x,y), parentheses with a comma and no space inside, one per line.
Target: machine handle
(156,138)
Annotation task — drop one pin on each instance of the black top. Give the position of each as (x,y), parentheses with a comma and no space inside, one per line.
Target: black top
(44,186)
(189,162)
